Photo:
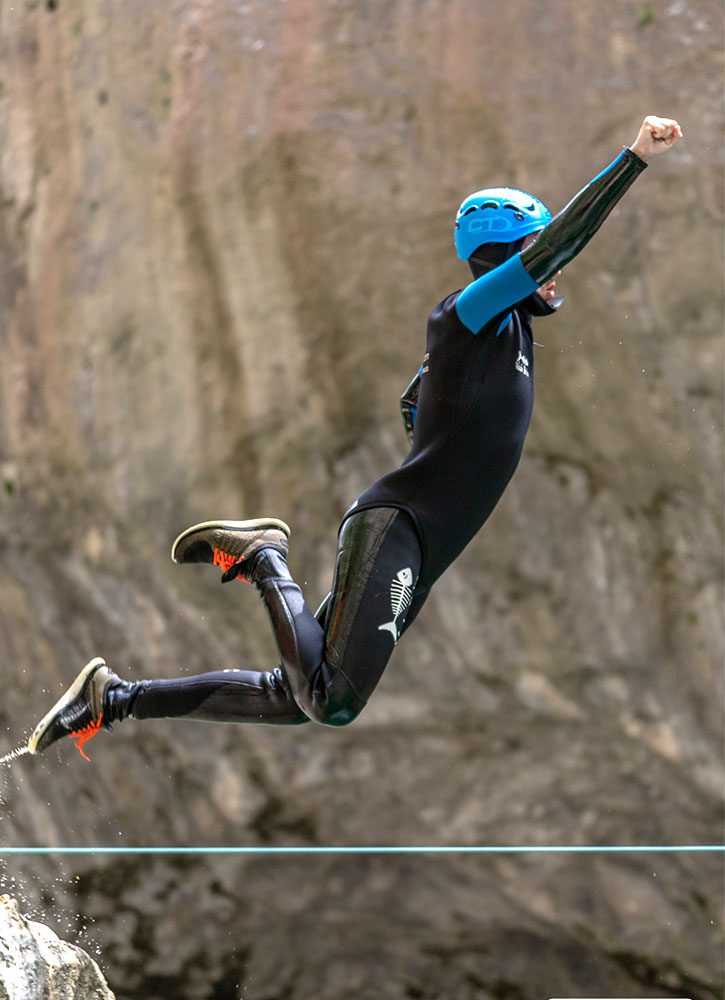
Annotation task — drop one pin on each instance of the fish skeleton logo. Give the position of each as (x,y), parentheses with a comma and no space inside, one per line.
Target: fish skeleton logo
(522,364)
(401,595)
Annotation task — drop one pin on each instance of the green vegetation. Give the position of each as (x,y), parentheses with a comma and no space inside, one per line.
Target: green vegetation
(646,15)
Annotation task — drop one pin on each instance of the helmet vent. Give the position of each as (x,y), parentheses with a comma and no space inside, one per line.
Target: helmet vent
(516,210)
(471,209)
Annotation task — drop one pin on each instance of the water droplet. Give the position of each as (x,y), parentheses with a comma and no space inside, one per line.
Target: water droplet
(13,755)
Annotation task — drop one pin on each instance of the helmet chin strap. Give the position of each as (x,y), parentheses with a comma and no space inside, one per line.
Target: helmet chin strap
(484,265)
(490,255)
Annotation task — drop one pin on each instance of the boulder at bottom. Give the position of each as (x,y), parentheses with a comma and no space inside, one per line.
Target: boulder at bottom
(36,965)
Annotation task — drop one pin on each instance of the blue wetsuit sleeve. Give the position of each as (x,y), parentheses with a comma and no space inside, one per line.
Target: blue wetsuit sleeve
(565,236)
(493,293)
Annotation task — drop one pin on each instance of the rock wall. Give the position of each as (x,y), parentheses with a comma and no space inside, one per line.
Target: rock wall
(222,227)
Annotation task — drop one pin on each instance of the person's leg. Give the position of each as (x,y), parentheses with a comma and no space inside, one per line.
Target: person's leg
(98,697)
(325,674)
(217,696)
(333,673)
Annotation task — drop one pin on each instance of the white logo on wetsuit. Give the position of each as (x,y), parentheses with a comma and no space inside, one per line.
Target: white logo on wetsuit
(401,595)
(522,364)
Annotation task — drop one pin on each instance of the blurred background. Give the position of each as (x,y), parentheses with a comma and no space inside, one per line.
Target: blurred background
(222,228)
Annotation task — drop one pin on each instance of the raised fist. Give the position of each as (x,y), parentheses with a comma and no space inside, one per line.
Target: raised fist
(655,136)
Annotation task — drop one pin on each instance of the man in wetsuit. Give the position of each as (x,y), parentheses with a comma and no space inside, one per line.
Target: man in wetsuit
(467,413)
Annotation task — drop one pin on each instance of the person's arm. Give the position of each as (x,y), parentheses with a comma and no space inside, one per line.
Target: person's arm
(567,233)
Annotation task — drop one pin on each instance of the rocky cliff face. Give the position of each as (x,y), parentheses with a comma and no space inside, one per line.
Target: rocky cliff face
(222,228)
(36,965)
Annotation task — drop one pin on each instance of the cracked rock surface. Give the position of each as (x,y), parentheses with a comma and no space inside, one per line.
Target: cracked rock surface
(35,964)
(222,228)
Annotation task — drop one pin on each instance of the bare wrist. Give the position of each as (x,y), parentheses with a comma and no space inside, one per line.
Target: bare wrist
(637,151)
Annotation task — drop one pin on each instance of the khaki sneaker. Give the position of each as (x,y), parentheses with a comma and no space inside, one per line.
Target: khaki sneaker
(79,713)
(226,544)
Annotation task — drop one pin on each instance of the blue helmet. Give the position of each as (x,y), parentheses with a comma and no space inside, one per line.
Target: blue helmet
(497,215)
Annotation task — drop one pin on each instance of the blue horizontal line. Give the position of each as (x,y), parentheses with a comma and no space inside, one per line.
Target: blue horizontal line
(364,849)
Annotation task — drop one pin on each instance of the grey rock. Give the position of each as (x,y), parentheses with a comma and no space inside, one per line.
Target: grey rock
(35,964)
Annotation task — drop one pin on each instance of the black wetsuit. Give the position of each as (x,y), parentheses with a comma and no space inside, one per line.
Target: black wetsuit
(474,408)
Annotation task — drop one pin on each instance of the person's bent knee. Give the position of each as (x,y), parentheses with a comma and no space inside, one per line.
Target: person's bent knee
(336,711)
(341,717)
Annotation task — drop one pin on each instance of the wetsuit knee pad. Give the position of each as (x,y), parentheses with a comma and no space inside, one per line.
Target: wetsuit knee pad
(341,706)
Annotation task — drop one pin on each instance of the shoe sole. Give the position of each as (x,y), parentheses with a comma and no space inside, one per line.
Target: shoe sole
(71,694)
(260,522)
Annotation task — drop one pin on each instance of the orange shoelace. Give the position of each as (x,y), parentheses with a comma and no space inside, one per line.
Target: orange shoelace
(225,562)
(82,736)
